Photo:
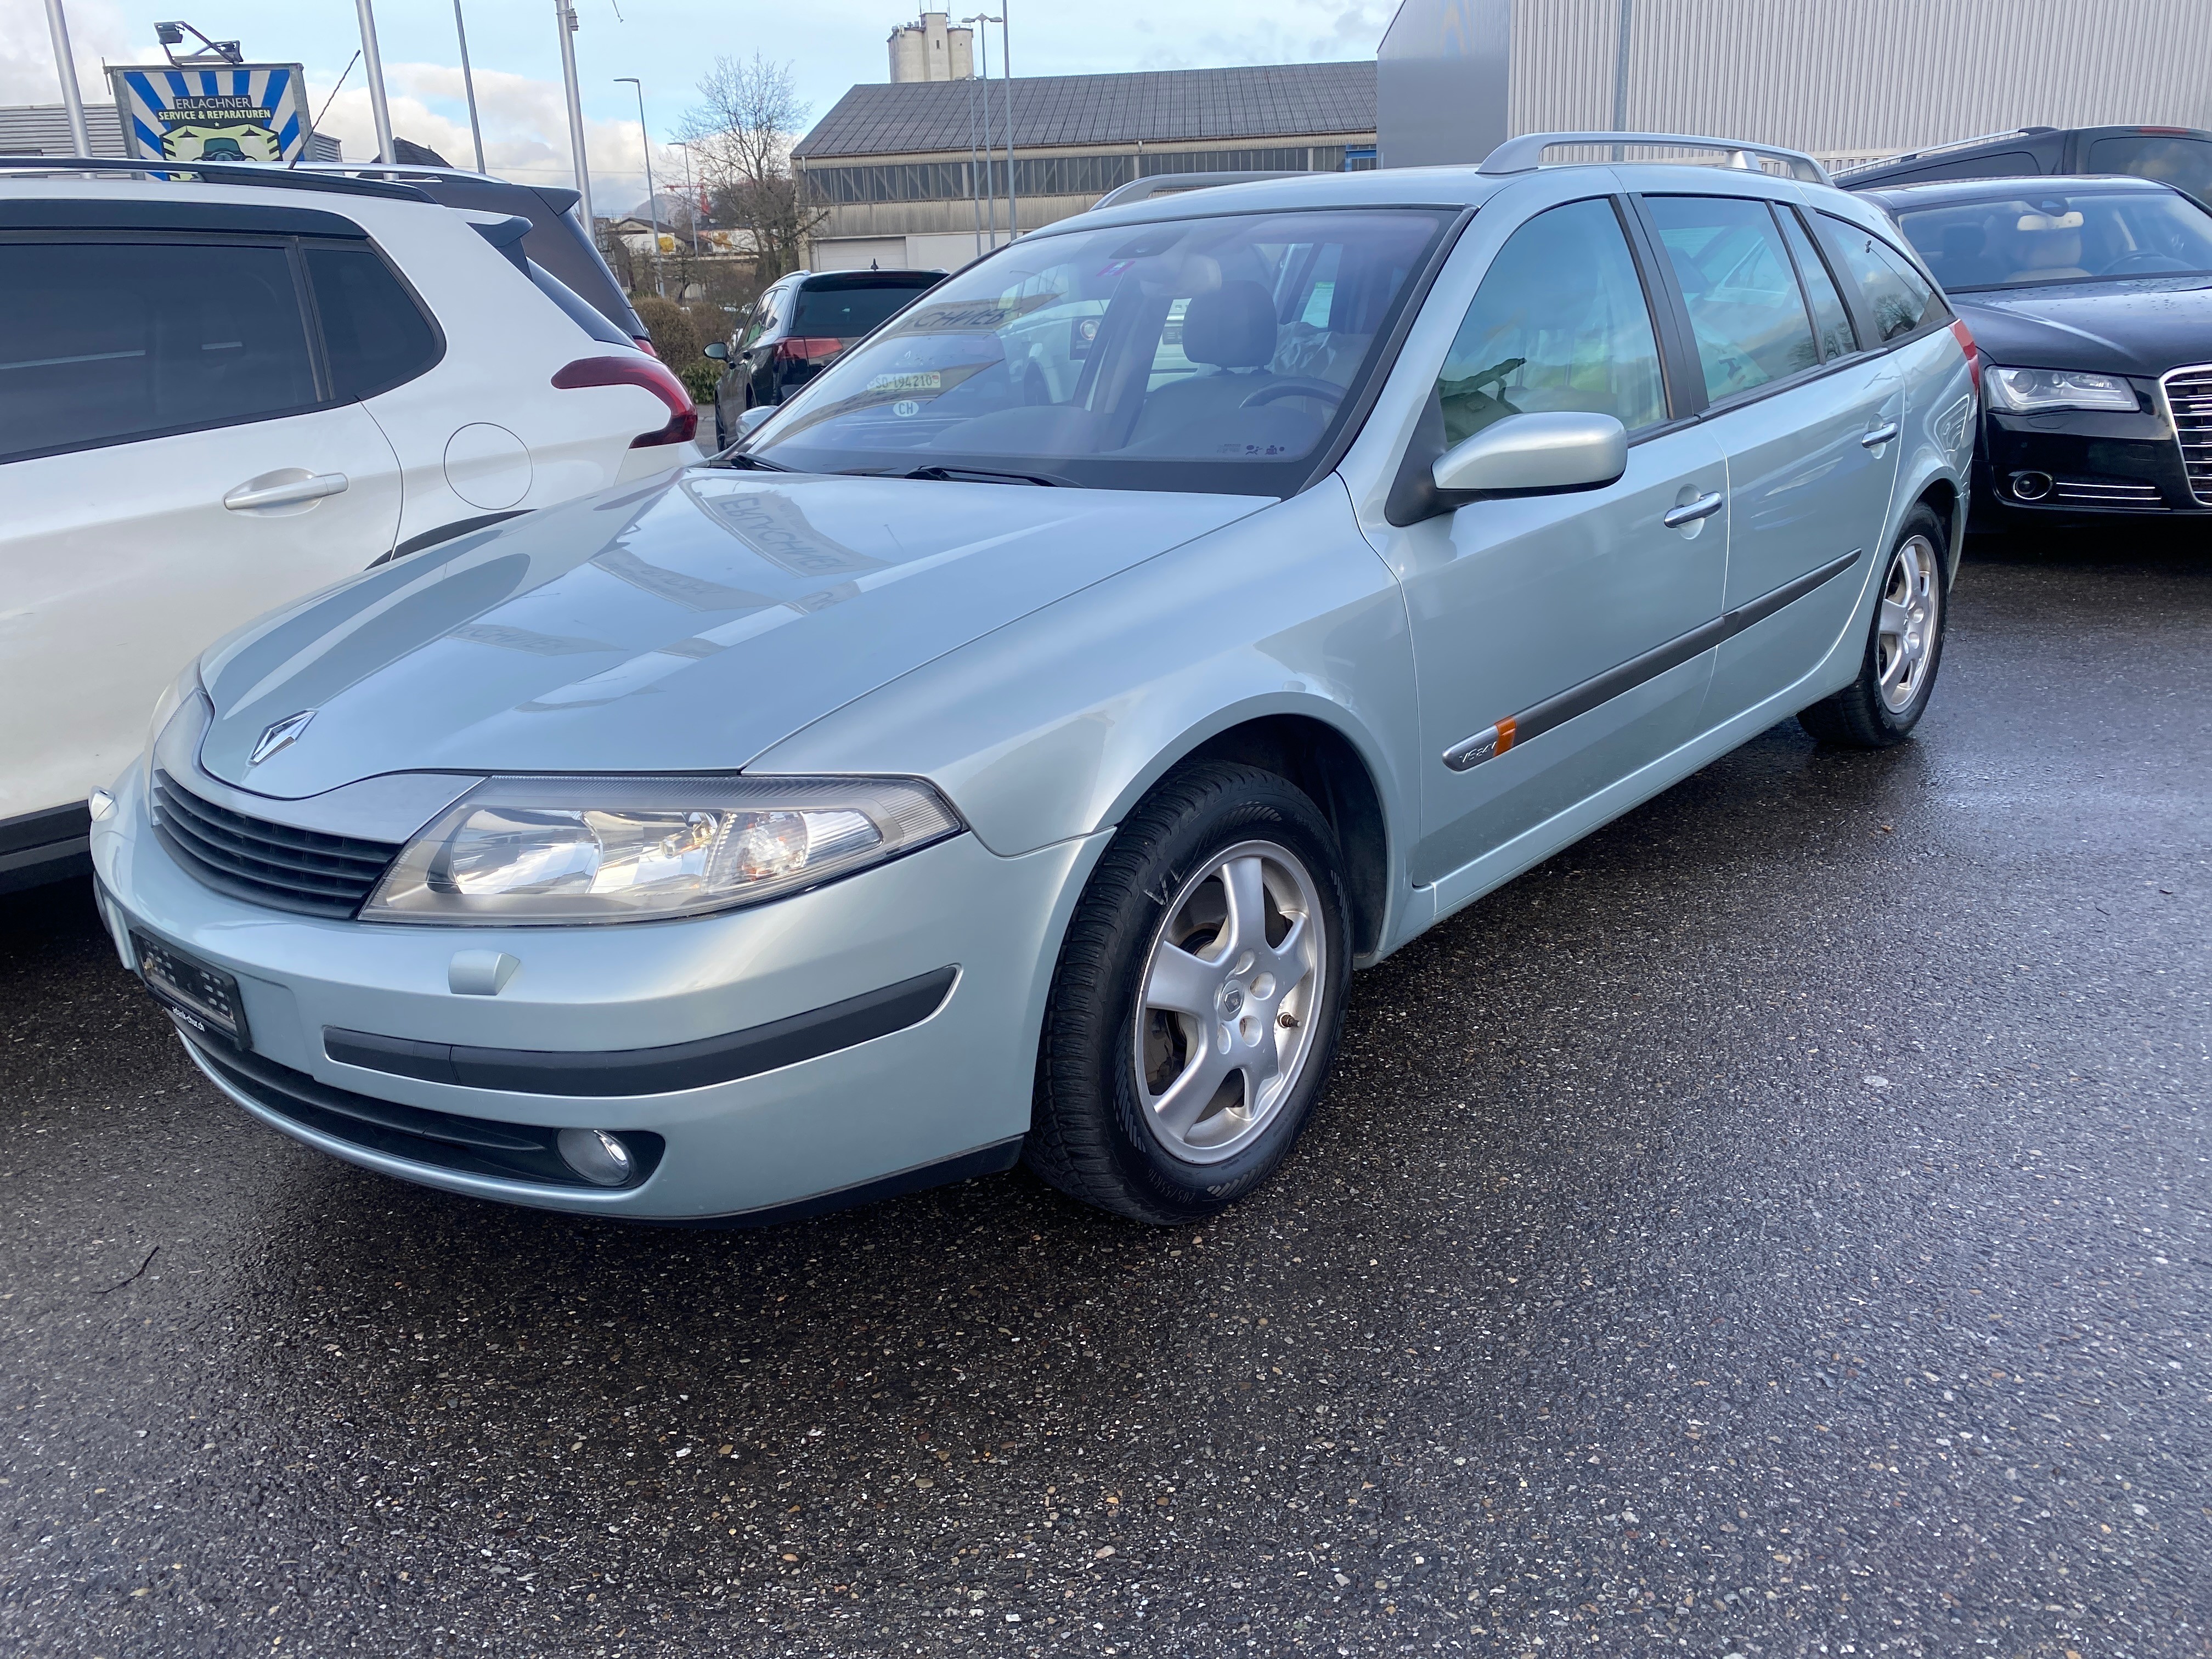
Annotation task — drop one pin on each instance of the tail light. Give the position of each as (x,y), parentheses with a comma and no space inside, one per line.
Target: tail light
(1966,337)
(649,373)
(800,349)
(645,344)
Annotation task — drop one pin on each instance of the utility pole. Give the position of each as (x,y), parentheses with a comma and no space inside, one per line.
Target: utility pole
(565,17)
(990,187)
(1620,74)
(652,201)
(372,61)
(469,84)
(65,64)
(1006,68)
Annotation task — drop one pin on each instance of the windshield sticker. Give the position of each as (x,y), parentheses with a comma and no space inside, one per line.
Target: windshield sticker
(975,316)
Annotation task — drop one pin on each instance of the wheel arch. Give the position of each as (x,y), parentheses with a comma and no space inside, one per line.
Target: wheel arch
(1945,498)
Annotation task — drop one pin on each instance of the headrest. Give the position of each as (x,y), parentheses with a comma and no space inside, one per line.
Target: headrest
(1232,327)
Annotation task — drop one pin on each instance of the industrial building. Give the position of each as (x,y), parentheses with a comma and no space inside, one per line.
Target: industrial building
(933,49)
(892,168)
(1844,80)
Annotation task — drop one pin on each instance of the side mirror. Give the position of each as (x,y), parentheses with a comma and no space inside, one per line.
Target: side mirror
(752,417)
(1558,449)
(717,350)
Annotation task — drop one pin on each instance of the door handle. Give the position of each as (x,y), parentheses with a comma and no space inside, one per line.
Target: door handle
(246,497)
(1690,511)
(1879,435)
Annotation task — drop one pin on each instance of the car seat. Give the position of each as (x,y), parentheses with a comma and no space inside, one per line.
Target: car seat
(2050,250)
(1965,260)
(1231,332)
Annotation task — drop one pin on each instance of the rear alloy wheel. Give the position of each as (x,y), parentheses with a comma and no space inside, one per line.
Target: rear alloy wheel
(1193,1015)
(1903,648)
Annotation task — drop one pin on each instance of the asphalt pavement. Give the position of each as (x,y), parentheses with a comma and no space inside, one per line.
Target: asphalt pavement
(1776,1225)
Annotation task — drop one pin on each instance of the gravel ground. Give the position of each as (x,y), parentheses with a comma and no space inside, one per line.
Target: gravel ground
(1776,1225)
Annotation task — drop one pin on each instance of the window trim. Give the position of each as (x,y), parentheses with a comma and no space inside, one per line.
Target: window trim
(311,324)
(1859,347)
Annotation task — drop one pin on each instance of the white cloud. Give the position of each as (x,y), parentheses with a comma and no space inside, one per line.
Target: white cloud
(26,54)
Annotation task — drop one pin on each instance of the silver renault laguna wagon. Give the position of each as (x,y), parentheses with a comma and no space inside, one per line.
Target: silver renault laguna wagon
(1011,747)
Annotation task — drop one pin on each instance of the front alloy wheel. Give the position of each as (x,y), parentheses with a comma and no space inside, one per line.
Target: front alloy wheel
(1194,1009)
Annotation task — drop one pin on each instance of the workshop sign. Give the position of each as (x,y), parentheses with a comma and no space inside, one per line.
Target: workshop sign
(239,113)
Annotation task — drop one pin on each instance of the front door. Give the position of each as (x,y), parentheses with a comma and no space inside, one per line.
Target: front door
(1554,635)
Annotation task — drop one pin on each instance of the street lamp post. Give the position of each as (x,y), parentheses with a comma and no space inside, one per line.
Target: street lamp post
(372,63)
(989,186)
(565,16)
(652,202)
(65,64)
(1007,70)
(469,84)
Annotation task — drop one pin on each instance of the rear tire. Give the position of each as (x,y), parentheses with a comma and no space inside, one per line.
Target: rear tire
(1194,1011)
(1904,646)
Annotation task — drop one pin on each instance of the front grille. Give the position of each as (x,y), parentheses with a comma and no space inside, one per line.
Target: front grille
(2189,400)
(2107,492)
(264,863)
(445,1140)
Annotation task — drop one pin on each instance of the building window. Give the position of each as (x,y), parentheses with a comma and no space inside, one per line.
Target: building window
(1063,175)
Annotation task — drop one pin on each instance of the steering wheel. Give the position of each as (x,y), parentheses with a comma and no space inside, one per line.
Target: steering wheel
(1295,388)
(2166,260)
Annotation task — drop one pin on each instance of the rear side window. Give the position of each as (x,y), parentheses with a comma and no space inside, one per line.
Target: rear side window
(846,313)
(1559,322)
(1897,298)
(375,335)
(1831,320)
(104,342)
(1746,311)
(583,316)
(2184,163)
(2007,164)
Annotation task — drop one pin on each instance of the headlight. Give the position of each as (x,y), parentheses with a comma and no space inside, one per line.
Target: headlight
(541,851)
(2026,391)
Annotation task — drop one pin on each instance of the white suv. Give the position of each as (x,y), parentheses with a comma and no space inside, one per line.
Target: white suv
(219,394)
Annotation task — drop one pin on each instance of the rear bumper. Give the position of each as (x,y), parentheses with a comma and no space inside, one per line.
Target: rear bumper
(926,1073)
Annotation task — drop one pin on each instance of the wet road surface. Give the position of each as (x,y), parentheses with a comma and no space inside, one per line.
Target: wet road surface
(1778,1225)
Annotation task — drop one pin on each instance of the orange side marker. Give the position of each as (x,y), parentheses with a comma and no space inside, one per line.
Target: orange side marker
(1505,729)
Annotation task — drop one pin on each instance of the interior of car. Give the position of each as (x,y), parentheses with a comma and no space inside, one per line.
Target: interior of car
(2008,241)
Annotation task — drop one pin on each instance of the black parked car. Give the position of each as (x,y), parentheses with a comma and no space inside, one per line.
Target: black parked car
(2091,301)
(2180,156)
(798,329)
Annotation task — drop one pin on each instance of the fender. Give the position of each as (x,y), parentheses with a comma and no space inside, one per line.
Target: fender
(1052,727)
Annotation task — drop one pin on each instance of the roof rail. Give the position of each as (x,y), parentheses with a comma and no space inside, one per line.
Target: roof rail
(249,173)
(1942,150)
(1526,153)
(1170,184)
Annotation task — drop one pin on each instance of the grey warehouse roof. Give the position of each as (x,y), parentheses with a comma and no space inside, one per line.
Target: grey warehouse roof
(1267,101)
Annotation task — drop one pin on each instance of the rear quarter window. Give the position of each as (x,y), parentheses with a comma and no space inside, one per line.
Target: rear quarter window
(374,334)
(2184,163)
(1898,299)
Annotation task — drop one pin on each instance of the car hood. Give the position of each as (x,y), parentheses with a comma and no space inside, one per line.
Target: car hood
(2142,327)
(683,626)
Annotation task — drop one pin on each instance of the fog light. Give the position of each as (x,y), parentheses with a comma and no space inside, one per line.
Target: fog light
(2030,486)
(598,1157)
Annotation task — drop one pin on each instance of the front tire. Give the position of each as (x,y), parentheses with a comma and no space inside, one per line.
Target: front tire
(1904,646)
(1194,1011)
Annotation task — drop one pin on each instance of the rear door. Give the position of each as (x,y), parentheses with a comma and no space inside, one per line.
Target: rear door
(1809,424)
(173,465)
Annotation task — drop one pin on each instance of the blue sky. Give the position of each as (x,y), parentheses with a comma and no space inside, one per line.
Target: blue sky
(512,46)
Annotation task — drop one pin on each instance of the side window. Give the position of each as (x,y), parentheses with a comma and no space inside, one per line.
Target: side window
(1830,319)
(1559,322)
(1897,296)
(2184,163)
(374,334)
(1746,311)
(106,341)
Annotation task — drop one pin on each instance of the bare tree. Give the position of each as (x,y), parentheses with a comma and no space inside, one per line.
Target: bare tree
(744,128)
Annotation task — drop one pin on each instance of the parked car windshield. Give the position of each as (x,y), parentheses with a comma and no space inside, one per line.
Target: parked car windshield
(1213,354)
(2015,241)
(845,311)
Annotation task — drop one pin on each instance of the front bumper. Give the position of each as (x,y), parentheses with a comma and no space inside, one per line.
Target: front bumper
(949,1093)
(2085,463)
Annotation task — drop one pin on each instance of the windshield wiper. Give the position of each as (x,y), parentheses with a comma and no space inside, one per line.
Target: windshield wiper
(981,475)
(753,463)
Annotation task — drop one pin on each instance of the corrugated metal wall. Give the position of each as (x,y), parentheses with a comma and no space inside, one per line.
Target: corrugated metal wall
(43,130)
(1861,77)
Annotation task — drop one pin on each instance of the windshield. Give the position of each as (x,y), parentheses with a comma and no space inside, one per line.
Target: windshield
(1213,355)
(846,313)
(2015,242)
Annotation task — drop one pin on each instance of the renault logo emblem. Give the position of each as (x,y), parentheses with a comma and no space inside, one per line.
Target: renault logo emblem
(282,735)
